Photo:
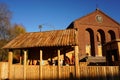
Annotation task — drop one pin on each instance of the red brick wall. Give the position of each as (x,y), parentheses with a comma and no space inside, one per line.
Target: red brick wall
(89,21)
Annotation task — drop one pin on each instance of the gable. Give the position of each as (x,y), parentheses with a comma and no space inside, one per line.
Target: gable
(97,18)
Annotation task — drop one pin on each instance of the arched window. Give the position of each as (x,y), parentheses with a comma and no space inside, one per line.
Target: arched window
(101,40)
(101,36)
(112,35)
(90,34)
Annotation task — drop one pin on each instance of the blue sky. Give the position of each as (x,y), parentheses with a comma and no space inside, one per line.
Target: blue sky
(57,14)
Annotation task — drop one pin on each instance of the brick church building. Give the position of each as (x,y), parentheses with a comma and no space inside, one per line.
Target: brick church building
(95,30)
(96,35)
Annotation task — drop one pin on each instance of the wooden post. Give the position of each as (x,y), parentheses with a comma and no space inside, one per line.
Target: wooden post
(77,72)
(118,50)
(58,64)
(10,60)
(20,60)
(21,57)
(25,61)
(40,65)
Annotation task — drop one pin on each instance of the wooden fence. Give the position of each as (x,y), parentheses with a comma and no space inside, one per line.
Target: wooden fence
(100,73)
(3,70)
(66,72)
(48,72)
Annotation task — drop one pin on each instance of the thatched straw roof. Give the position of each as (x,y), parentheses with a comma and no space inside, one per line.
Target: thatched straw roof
(44,39)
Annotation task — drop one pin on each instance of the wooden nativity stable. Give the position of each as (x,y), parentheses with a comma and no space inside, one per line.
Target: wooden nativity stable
(39,51)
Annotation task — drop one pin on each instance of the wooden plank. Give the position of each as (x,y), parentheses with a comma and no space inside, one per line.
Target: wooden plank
(59,64)
(10,60)
(76,48)
(40,64)
(25,64)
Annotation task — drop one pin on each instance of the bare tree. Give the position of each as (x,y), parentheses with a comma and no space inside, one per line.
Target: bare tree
(7,32)
(5,16)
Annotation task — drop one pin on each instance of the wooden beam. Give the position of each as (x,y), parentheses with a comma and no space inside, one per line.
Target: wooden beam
(77,72)
(40,65)
(25,64)
(58,64)
(10,60)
